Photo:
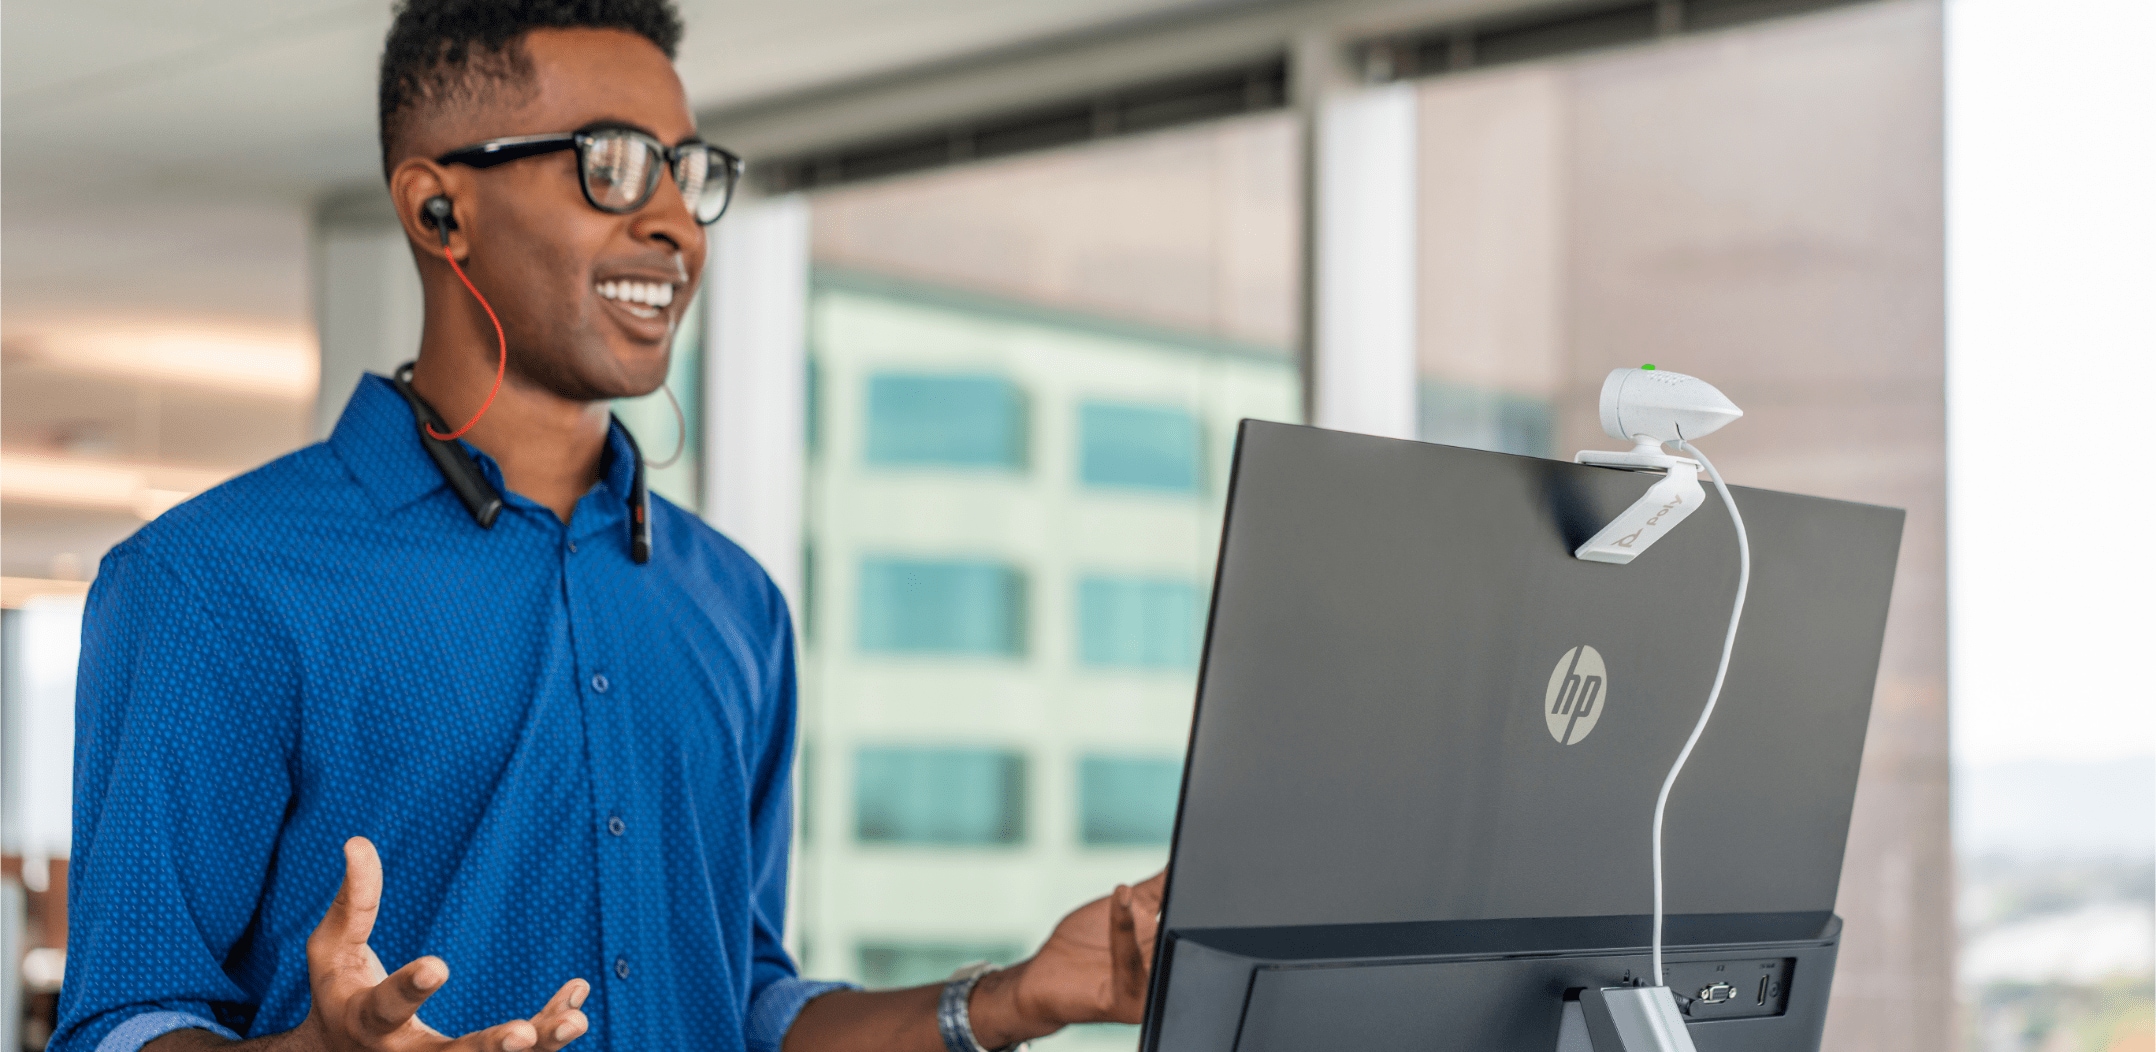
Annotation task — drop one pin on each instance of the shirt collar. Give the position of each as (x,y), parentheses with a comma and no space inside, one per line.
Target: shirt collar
(378,439)
(607,503)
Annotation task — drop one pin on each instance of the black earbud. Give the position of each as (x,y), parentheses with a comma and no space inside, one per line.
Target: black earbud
(439,214)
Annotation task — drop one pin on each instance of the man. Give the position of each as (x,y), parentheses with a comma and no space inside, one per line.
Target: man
(365,764)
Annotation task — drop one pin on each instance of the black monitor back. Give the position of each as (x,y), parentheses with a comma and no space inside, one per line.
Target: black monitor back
(1387,840)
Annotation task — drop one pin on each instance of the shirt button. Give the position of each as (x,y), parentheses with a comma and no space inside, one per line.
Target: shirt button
(621,967)
(572,547)
(598,682)
(616,826)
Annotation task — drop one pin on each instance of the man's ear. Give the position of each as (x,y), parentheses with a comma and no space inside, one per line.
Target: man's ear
(412,185)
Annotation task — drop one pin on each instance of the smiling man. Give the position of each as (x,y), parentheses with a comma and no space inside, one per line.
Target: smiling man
(443,733)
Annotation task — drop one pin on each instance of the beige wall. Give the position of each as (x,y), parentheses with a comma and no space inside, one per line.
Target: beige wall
(1193,229)
(1763,208)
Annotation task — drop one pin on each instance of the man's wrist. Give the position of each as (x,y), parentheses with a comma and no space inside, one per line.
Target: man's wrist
(999,1015)
(306,1037)
(297,1039)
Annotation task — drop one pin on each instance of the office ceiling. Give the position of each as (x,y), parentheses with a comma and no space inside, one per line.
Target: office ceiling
(160,154)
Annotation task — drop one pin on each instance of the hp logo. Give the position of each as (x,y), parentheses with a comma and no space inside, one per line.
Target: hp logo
(1579,691)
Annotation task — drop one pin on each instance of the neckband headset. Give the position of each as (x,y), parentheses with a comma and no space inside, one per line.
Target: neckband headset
(458,469)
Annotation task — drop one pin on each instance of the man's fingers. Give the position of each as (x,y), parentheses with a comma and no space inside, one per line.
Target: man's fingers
(1145,908)
(561,1022)
(1125,958)
(516,1035)
(1149,892)
(392,1002)
(350,918)
(561,1030)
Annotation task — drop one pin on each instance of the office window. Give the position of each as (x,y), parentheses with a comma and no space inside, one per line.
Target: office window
(1157,272)
(1139,447)
(927,606)
(940,796)
(1128,801)
(651,418)
(894,964)
(1481,418)
(926,419)
(1138,623)
(1632,206)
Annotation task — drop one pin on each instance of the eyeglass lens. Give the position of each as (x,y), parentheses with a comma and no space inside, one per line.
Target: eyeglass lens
(621,171)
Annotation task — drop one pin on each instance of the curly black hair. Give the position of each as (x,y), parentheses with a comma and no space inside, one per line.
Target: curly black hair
(462,50)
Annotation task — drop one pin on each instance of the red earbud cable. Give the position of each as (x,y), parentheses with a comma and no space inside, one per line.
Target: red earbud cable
(501,367)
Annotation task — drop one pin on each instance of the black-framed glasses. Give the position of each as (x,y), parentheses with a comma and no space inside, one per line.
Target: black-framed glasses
(619,167)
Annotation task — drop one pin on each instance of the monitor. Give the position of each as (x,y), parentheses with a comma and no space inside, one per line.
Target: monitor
(1423,763)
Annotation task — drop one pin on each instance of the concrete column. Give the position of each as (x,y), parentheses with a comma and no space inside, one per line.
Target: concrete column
(368,305)
(1364,241)
(755,374)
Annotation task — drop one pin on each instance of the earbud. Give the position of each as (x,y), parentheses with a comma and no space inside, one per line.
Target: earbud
(438,213)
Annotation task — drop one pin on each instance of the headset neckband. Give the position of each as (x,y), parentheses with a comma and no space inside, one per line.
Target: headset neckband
(479,496)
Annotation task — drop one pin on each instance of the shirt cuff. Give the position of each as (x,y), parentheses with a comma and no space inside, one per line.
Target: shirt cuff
(140,1030)
(773,1011)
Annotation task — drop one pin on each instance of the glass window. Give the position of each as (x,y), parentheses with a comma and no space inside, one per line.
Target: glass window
(1128,801)
(939,796)
(1759,207)
(929,606)
(1136,622)
(659,433)
(893,964)
(1485,418)
(949,421)
(1120,305)
(1139,446)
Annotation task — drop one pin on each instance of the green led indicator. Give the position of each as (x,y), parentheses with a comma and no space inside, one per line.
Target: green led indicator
(1649,367)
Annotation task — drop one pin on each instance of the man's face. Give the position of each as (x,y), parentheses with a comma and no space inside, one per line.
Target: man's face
(554,266)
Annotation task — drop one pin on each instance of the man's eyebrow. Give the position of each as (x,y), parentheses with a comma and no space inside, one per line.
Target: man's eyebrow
(605,123)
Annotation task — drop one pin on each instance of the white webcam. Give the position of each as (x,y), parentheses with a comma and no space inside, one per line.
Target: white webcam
(1650,407)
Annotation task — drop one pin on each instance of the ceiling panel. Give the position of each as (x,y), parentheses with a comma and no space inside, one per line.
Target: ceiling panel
(161,155)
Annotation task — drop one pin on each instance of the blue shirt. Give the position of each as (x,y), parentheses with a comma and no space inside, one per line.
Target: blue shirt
(572,765)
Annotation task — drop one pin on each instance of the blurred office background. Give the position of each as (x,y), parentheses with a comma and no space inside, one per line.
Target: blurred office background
(968,364)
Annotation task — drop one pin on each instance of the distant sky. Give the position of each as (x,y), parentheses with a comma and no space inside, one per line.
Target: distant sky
(2051,258)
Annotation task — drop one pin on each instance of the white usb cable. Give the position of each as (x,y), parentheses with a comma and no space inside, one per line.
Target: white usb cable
(1721,672)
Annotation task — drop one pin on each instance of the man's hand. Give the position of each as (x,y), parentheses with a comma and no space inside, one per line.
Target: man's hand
(358,1008)
(1093,969)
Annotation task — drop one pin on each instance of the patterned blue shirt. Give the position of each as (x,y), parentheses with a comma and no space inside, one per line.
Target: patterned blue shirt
(572,765)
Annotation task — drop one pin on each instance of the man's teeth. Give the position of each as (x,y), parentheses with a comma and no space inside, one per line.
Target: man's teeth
(643,298)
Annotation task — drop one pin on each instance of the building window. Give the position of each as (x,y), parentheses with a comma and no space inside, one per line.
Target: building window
(1128,801)
(1139,447)
(896,964)
(952,606)
(940,796)
(1479,418)
(945,420)
(1138,623)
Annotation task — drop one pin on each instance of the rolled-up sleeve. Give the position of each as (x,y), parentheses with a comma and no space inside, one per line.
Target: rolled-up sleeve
(772,1013)
(184,733)
(138,1030)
